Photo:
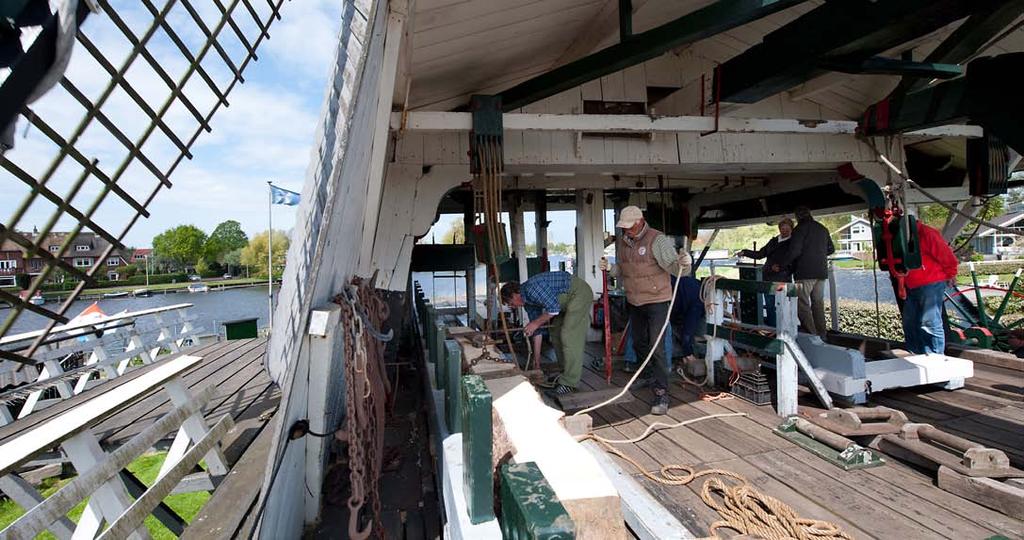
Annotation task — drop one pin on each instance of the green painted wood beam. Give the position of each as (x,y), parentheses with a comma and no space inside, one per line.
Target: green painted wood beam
(878,65)
(793,54)
(967,39)
(936,105)
(625,19)
(766,344)
(703,23)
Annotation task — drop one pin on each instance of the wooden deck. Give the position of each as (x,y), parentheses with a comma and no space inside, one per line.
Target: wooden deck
(244,390)
(892,501)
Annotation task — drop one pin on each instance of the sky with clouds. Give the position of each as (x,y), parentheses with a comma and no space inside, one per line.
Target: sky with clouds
(266,132)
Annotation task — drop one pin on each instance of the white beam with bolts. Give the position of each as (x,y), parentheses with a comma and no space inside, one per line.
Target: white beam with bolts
(639,123)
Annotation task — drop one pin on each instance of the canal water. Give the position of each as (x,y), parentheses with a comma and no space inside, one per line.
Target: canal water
(215,307)
(212,308)
(850,284)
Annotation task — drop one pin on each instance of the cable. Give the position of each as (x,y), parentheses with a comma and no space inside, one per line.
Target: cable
(650,354)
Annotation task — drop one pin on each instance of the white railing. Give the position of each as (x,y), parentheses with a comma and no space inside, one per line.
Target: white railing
(128,340)
(101,478)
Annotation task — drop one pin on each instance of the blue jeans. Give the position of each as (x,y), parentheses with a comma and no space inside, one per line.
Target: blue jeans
(922,319)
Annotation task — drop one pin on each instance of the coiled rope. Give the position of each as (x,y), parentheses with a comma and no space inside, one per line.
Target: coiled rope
(742,507)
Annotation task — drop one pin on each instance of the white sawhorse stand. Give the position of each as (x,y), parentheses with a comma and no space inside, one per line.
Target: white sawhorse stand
(98,480)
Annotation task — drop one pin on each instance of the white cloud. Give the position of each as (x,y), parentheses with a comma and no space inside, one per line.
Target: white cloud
(266,133)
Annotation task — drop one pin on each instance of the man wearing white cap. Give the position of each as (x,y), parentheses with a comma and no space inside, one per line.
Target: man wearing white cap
(646,258)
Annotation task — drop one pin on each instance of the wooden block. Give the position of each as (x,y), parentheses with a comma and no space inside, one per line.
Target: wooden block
(577,426)
(525,429)
(1001,496)
(36,476)
(987,357)
(581,400)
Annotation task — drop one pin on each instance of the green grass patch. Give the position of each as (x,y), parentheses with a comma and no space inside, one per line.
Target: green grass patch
(146,467)
(852,264)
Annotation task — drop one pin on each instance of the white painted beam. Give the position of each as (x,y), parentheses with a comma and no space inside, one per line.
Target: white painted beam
(639,123)
(375,183)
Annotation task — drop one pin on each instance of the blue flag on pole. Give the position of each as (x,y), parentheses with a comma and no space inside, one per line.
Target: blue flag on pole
(283,196)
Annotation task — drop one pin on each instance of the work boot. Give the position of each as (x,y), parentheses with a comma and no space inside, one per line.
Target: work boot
(660,406)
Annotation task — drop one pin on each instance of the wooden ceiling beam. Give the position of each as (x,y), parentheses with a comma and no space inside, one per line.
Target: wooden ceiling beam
(850,29)
(703,23)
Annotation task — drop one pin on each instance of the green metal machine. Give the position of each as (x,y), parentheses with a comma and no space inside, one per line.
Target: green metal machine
(975,322)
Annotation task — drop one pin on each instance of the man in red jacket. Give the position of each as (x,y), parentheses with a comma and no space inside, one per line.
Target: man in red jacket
(922,312)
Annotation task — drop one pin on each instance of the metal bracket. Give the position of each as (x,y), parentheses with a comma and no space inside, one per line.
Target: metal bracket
(833,448)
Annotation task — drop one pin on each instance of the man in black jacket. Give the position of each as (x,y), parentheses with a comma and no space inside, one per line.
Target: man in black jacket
(773,253)
(809,248)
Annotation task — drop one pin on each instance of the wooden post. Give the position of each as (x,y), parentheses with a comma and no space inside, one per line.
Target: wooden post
(325,345)
(468,220)
(540,212)
(452,374)
(475,425)
(519,237)
(716,346)
(589,235)
(785,363)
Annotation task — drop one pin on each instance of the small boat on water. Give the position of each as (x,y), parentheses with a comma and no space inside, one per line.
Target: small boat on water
(118,294)
(142,293)
(198,288)
(36,299)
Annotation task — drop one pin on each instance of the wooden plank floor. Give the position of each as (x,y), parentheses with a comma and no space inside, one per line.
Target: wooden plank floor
(893,501)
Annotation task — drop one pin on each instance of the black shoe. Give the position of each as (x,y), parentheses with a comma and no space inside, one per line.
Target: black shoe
(660,406)
(629,367)
(559,390)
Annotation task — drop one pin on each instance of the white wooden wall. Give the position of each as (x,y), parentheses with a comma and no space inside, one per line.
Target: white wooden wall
(408,209)
(320,258)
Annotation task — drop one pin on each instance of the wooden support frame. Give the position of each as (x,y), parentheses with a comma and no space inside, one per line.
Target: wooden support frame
(99,478)
(790,55)
(436,121)
(703,23)
(172,334)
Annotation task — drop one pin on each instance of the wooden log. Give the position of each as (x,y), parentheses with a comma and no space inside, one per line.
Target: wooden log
(1001,496)
(525,429)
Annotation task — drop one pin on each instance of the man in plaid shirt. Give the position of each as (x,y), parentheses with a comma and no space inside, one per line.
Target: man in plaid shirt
(564,301)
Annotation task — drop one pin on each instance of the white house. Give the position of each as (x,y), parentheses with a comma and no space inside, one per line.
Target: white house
(855,236)
(997,244)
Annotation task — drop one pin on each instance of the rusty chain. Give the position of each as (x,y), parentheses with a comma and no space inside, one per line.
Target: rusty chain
(363,312)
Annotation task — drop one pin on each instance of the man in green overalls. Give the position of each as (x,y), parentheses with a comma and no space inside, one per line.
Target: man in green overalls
(564,301)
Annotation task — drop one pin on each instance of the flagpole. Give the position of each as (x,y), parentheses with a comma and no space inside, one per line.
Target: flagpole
(270,253)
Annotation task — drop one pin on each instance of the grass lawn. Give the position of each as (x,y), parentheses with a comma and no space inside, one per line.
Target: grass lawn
(855,264)
(160,287)
(146,467)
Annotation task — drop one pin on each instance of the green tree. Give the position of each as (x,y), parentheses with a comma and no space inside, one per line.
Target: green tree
(181,246)
(225,237)
(233,258)
(456,233)
(255,254)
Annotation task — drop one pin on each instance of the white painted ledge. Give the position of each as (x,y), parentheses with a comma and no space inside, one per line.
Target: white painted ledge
(639,123)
